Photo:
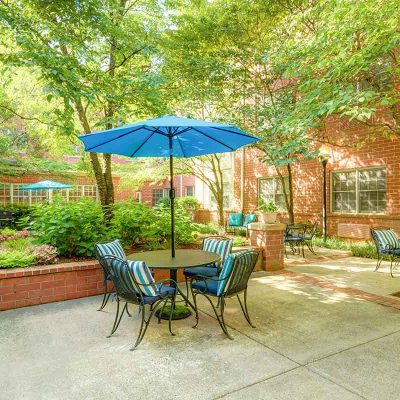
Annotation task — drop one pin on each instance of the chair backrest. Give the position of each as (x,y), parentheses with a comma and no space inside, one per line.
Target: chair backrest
(122,278)
(236,272)
(220,245)
(313,229)
(113,248)
(385,238)
(235,219)
(248,219)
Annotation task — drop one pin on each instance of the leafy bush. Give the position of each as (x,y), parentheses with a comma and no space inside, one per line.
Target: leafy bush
(131,222)
(266,206)
(45,254)
(10,234)
(239,241)
(72,228)
(137,224)
(16,258)
(206,229)
(19,211)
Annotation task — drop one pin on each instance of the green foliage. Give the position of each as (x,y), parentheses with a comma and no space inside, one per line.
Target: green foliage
(239,241)
(137,224)
(71,227)
(19,211)
(189,203)
(16,259)
(206,229)
(266,206)
(358,249)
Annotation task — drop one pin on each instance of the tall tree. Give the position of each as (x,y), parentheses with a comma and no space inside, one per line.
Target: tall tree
(93,56)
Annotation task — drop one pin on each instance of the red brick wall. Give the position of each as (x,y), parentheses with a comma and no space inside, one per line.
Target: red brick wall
(307,179)
(21,287)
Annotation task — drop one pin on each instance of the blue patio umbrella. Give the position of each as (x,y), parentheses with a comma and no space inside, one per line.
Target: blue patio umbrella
(46,185)
(171,137)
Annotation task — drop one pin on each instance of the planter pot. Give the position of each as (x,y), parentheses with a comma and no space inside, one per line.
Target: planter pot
(268,218)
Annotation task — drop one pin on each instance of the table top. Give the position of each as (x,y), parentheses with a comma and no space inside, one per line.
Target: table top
(184,258)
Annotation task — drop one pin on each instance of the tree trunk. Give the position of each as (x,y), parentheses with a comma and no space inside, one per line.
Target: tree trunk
(288,195)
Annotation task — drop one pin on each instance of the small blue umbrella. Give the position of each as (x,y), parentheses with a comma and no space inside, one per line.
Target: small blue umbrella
(168,136)
(46,185)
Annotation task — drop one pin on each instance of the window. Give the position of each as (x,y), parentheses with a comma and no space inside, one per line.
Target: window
(20,195)
(360,191)
(5,193)
(11,193)
(271,190)
(189,191)
(158,194)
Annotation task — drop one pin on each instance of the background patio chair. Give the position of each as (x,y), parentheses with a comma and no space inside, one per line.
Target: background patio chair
(386,242)
(134,284)
(294,237)
(234,222)
(248,219)
(220,245)
(232,281)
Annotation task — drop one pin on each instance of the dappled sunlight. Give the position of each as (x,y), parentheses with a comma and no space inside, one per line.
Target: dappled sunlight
(306,290)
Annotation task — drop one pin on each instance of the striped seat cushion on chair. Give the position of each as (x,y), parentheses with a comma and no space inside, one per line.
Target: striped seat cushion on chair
(221,247)
(113,248)
(387,239)
(143,277)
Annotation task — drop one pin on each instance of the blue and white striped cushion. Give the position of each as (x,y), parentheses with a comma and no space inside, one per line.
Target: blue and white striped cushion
(225,272)
(111,249)
(387,239)
(243,259)
(142,275)
(218,246)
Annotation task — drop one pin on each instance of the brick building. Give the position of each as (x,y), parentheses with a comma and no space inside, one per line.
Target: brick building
(363,183)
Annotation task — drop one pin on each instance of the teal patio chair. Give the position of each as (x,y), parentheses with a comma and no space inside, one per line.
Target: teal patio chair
(234,222)
(386,243)
(232,281)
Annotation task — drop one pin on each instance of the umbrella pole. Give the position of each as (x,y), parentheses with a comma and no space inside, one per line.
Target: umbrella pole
(172,196)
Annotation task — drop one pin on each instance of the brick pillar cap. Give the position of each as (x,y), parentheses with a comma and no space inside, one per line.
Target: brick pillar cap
(260,226)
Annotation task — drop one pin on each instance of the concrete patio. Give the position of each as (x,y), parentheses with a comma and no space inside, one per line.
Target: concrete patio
(311,342)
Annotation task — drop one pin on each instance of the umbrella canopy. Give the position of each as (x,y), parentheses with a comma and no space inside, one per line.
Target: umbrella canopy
(168,136)
(46,185)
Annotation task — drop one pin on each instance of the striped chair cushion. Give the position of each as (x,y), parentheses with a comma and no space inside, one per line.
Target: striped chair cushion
(387,239)
(111,249)
(225,277)
(218,246)
(142,275)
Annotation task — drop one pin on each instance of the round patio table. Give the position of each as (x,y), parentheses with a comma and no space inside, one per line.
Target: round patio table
(184,258)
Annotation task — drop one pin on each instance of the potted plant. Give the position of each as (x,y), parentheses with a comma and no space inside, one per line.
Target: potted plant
(267,211)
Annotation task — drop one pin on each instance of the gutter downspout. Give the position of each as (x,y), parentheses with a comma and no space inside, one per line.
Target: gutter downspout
(242,179)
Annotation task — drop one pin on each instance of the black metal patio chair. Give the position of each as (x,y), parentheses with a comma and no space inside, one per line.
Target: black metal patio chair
(231,282)
(309,236)
(132,291)
(220,245)
(386,243)
(294,237)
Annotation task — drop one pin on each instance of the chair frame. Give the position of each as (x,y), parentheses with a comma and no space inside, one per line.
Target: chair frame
(236,286)
(394,258)
(302,237)
(137,298)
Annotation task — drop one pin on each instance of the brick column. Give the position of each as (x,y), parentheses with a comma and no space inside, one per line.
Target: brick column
(269,237)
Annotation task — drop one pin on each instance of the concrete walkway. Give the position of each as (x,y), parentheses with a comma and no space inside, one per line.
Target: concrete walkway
(311,342)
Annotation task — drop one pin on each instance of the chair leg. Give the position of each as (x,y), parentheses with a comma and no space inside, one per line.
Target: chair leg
(244,308)
(170,315)
(106,296)
(144,324)
(187,289)
(195,309)
(391,267)
(117,320)
(378,262)
(162,311)
(311,247)
(127,311)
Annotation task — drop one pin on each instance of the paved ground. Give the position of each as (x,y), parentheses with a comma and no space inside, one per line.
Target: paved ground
(311,342)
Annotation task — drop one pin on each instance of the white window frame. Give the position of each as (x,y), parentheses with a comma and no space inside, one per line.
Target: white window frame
(275,180)
(356,170)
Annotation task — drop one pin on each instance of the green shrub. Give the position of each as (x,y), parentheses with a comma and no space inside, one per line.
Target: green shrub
(71,227)
(16,259)
(206,229)
(19,211)
(131,222)
(239,241)
(189,203)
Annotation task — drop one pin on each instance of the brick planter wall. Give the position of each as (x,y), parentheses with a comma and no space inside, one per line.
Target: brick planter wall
(21,287)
